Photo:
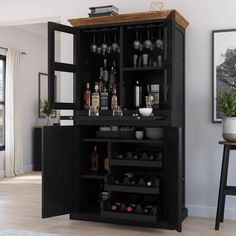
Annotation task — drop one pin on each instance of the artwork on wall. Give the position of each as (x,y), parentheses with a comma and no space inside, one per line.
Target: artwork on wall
(223,65)
(43,92)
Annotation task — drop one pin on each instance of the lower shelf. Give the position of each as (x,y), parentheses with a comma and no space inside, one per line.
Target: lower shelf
(128,216)
(133,189)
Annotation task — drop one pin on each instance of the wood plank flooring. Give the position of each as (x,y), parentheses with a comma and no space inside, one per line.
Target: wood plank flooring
(20,208)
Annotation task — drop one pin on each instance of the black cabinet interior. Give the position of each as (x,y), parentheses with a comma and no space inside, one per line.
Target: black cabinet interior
(146,171)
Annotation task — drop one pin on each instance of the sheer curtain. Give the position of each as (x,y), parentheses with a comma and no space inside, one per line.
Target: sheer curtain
(13,143)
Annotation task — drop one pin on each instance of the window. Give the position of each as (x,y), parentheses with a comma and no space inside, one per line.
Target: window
(2,101)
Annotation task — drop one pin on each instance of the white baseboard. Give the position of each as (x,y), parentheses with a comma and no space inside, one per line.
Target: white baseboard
(210,212)
(2,173)
(28,168)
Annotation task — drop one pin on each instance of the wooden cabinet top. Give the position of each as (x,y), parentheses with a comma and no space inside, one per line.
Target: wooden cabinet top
(132,17)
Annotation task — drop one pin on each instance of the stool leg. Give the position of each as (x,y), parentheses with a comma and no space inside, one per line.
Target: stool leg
(223,181)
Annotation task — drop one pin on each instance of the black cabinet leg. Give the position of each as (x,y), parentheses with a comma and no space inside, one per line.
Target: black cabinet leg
(179,228)
(223,182)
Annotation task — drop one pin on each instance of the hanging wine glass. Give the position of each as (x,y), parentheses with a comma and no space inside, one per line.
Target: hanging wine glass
(93,46)
(104,45)
(109,44)
(136,42)
(148,42)
(159,42)
(115,46)
(99,49)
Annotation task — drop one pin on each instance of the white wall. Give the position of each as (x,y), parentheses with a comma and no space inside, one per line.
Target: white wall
(35,61)
(203,154)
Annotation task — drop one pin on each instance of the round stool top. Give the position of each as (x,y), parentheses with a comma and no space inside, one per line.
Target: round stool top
(227,143)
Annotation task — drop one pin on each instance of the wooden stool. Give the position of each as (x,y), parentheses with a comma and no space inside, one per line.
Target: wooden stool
(224,189)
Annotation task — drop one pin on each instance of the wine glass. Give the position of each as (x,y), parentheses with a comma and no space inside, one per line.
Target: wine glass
(115,46)
(104,45)
(148,42)
(93,46)
(136,42)
(99,49)
(159,42)
(109,44)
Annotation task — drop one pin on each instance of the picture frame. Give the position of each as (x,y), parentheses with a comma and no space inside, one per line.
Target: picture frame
(223,66)
(43,92)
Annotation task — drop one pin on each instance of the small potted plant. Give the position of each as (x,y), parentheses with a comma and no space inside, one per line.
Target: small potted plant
(47,111)
(226,102)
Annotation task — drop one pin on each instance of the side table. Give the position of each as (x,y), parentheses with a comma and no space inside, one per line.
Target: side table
(224,189)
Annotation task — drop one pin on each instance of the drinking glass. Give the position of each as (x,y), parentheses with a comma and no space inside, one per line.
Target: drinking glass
(145,58)
(135,60)
(93,111)
(117,111)
(149,100)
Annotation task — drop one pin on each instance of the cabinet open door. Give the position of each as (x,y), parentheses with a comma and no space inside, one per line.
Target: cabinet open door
(59,70)
(58,170)
(173,179)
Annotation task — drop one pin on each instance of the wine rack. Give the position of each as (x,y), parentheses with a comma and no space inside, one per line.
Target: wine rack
(138,213)
(147,48)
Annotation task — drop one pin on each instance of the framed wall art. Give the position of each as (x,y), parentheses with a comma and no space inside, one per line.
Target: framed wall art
(223,66)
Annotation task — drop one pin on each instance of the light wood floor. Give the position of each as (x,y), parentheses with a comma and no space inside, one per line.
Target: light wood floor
(20,202)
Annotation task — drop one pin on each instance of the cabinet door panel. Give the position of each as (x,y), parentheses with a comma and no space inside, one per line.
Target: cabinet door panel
(56,70)
(58,170)
(173,182)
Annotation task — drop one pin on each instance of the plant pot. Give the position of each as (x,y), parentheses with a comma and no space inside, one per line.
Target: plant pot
(229,128)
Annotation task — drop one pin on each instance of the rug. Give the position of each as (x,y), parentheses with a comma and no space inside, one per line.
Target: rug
(13,232)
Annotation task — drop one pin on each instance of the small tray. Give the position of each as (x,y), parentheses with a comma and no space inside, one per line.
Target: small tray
(115,134)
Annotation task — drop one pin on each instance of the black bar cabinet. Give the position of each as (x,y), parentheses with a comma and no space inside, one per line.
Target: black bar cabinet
(68,186)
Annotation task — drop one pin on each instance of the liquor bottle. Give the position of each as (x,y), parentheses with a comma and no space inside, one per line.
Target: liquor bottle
(101,80)
(132,204)
(94,161)
(116,180)
(120,156)
(87,97)
(115,206)
(112,77)
(105,71)
(104,99)
(129,178)
(114,98)
(137,95)
(106,165)
(149,180)
(148,205)
(96,97)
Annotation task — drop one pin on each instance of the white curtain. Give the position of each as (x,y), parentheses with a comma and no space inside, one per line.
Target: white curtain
(13,143)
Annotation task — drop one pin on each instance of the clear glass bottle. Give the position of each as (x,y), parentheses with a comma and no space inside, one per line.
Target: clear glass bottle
(114,98)
(104,99)
(96,97)
(87,97)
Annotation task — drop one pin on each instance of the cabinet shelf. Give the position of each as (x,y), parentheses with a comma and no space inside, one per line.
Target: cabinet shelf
(90,176)
(156,68)
(144,141)
(136,163)
(133,189)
